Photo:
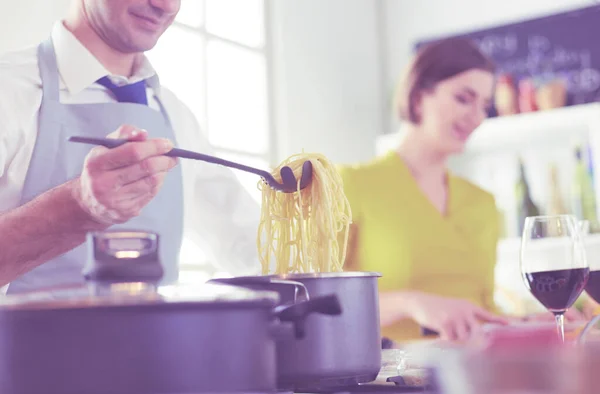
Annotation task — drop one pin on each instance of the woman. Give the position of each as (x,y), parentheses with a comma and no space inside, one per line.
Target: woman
(431,234)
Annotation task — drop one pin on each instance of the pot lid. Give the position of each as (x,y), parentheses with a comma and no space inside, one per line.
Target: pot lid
(123,269)
(137,294)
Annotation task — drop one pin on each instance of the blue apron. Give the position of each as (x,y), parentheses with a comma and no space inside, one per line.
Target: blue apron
(56,161)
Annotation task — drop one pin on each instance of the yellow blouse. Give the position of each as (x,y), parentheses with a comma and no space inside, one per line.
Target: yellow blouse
(400,234)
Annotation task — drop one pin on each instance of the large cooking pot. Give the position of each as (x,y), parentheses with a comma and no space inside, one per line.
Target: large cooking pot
(335,351)
(122,337)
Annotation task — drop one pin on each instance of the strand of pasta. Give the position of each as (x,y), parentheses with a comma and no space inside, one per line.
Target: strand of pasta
(301,230)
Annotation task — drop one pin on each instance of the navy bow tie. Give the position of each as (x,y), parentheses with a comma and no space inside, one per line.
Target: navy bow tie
(133,93)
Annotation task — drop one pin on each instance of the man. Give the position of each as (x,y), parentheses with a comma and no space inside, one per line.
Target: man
(90,78)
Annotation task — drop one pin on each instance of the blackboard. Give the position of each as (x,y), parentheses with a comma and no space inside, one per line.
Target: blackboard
(565,45)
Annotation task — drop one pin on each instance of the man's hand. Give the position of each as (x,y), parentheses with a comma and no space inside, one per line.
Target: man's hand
(117,183)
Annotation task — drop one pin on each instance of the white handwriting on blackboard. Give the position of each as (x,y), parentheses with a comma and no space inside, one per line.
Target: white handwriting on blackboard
(541,55)
(503,45)
(583,81)
(543,61)
(557,59)
(538,44)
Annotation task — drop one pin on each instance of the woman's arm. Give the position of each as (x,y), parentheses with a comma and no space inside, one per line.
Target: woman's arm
(452,318)
(395,306)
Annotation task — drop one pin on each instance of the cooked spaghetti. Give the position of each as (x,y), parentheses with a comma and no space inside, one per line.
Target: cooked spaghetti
(305,231)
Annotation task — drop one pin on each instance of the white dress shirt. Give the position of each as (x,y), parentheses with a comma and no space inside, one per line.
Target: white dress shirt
(220,215)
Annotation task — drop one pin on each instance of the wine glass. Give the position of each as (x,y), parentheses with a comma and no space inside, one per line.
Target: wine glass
(591,243)
(553,263)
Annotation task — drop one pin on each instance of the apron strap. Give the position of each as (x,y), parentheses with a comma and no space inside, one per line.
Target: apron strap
(48,70)
(154,83)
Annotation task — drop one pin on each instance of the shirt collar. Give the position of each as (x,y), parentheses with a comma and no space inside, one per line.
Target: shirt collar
(79,68)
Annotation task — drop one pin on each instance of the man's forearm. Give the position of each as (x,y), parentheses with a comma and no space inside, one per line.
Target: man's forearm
(46,227)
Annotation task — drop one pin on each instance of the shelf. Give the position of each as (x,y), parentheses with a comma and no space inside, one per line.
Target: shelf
(516,131)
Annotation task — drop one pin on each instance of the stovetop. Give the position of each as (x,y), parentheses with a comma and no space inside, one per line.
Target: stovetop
(369,389)
(392,385)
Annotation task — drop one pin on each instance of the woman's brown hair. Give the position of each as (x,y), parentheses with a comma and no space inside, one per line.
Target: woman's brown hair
(433,63)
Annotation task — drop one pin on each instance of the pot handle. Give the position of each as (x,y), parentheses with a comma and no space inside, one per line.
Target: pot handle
(298,312)
(300,293)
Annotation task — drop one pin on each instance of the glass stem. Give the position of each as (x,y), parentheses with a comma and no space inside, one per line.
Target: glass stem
(560,325)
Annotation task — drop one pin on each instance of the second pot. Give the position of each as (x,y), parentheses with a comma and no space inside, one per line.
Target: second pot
(335,350)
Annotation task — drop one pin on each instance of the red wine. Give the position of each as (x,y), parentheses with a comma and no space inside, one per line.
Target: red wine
(557,290)
(593,286)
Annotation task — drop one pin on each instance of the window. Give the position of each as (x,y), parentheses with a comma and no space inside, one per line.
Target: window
(214,58)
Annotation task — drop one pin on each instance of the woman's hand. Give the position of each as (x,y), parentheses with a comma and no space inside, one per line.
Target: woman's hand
(590,308)
(453,318)
(571,315)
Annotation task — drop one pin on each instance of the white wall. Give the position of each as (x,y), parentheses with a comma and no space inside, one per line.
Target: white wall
(410,21)
(26,22)
(328,94)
